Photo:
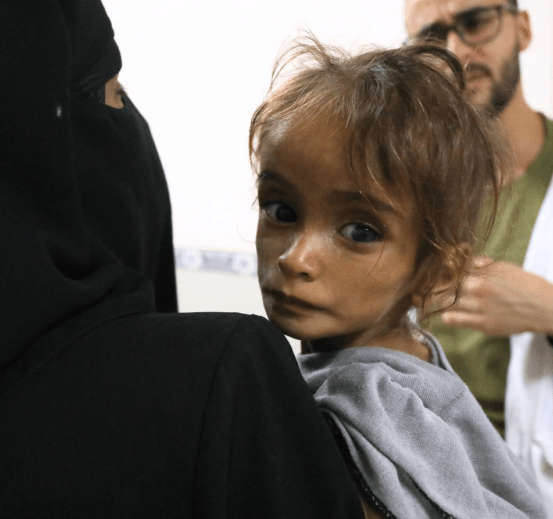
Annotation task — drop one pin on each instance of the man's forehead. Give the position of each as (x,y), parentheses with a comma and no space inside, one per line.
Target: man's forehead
(420,13)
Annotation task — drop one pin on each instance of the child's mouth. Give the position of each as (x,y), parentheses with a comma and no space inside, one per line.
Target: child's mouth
(290,300)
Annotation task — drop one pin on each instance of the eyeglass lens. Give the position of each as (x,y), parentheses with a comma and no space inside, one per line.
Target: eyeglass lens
(473,27)
(478,26)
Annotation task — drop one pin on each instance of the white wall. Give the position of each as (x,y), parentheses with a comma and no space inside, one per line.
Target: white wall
(537,61)
(197,70)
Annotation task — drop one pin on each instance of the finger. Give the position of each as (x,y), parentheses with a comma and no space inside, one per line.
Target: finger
(467,306)
(463,320)
(477,288)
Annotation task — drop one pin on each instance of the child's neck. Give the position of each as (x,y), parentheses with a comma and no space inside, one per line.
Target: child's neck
(400,340)
(404,341)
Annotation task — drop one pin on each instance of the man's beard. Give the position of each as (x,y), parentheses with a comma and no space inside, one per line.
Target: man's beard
(503,89)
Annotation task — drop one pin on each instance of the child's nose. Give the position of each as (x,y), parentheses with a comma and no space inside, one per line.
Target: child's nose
(304,257)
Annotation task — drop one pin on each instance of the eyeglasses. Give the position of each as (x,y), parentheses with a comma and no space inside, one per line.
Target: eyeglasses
(474,27)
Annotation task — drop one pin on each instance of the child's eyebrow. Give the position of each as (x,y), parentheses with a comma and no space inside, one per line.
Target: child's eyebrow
(337,196)
(356,197)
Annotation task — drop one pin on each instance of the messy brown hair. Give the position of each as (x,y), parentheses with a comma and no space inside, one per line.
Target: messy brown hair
(410,130)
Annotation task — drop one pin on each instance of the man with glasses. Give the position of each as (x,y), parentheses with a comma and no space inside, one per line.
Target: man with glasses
(506,299)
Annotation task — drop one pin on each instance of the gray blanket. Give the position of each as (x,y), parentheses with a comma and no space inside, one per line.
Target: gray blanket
(418,437)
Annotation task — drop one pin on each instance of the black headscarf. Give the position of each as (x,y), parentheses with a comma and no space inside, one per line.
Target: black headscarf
(74,230)
(68,248)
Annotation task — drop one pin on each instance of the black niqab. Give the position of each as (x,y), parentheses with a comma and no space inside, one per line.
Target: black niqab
(52,266)
(125,198)
(95,57)
(124,192)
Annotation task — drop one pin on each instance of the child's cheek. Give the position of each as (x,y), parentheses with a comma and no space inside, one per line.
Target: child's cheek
(267,254)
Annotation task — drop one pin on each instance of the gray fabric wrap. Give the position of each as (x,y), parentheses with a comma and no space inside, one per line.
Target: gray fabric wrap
(416,434)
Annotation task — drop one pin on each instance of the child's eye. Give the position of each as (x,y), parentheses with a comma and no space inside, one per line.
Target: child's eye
(281,212)
(360,233)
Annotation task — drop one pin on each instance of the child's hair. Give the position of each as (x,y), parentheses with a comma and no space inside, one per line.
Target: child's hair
(410,131)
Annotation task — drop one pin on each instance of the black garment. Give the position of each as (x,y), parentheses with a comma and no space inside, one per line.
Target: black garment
(107,408)
(164,415)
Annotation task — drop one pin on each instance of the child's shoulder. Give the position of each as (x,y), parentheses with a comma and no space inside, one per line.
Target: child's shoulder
(368,376)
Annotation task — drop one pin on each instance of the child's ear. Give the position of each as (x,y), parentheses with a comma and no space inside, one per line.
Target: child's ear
(440,297)
(450,270)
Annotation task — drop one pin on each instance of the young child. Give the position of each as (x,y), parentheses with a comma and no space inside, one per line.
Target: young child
(372,171)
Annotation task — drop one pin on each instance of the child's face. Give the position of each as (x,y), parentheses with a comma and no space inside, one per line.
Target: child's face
(331,266)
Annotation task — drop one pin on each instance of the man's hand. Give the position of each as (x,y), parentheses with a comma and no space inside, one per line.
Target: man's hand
(503,299)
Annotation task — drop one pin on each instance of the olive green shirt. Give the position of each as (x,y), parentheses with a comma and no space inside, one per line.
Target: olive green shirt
(482,360)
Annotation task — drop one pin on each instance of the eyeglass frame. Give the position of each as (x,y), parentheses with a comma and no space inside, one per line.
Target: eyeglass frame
(454,26)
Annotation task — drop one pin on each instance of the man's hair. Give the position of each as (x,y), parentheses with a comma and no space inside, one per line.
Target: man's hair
(514,3)
(409,130)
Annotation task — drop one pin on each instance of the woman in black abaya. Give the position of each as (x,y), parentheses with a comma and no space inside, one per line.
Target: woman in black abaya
(109,408)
